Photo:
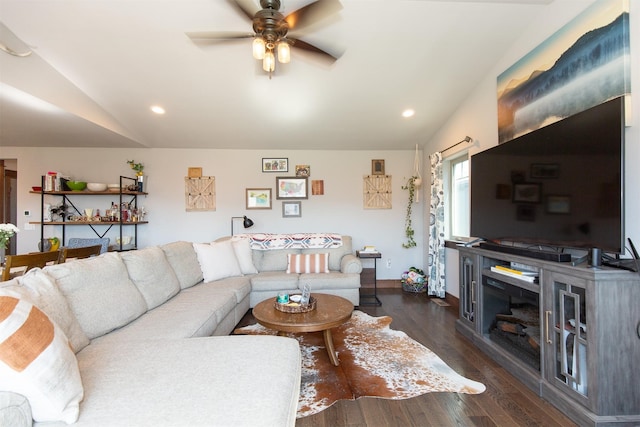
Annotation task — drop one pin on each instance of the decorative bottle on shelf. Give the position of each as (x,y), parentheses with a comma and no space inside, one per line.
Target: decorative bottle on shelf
(140,182)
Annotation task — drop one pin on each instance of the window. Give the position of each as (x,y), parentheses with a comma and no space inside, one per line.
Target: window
(459,195)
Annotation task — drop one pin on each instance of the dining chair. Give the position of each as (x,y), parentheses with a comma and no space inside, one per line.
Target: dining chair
(28,261)
(78,253)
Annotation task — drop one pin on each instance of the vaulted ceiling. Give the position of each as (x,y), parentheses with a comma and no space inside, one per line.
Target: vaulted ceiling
(98,66)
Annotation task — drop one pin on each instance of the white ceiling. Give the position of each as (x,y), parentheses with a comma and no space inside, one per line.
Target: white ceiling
(98,65)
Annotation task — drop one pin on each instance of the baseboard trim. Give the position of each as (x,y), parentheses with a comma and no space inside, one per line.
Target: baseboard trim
(384,284)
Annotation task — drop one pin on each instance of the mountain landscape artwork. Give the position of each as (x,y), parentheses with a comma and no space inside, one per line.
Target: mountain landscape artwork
(583,64)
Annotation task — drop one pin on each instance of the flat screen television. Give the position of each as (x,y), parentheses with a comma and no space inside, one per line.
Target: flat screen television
(560,186)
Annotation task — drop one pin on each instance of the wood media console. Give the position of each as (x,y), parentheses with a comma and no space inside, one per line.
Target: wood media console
(570,333)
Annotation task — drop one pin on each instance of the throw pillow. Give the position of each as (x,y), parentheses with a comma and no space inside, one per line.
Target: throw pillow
(217,260)
(308,263)
(242,249)
(40,289)
(37,362)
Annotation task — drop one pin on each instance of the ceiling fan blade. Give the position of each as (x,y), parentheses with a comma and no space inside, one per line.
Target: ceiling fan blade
(247,7)
(218,35)
(301,44)
(312,13)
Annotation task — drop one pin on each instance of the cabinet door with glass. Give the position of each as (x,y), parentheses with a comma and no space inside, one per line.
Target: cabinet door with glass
(566,335)
(468,288)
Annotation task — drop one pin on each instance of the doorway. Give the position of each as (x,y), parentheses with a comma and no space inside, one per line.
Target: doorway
(9,199)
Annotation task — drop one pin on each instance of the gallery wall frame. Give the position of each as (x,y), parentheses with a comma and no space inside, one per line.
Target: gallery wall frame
(292,187)
(303,170)
(258,198)
(291,209)
(275,164)
(377,167)
(558,204)
(545,171)
(527,192)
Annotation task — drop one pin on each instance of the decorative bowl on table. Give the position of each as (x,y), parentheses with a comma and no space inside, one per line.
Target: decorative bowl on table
(113,187)
(295,307)
(96,186)
(76,185)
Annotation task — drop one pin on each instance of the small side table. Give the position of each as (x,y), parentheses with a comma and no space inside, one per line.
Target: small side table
(369,276)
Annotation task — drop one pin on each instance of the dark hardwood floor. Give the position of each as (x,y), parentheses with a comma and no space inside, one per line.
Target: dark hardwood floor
(506,402)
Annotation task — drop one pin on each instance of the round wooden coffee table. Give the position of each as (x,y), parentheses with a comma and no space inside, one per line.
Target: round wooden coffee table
(330,311)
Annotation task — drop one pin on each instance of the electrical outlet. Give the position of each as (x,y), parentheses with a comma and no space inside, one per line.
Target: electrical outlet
(388,263)
(27,213)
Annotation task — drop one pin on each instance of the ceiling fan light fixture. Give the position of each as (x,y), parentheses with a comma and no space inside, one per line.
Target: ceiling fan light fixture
(258,48)
(269,62)
(284,52)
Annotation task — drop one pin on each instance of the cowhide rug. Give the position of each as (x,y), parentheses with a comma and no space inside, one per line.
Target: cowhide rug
(375,361)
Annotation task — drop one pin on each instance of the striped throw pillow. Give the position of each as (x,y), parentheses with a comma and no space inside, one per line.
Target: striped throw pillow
(308,263)
(37,362)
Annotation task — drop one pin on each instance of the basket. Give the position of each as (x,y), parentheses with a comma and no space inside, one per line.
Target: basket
(292,307)
(414,280)
(414,287)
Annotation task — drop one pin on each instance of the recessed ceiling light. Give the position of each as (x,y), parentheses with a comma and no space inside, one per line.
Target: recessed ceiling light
(408,113)
(157,109)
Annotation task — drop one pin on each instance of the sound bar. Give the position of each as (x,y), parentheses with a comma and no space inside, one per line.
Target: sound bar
(531,253)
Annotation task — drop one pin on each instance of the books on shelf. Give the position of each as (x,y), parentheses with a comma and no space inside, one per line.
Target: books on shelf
(528,276)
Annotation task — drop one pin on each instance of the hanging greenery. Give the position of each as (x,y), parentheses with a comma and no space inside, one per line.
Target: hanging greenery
(408,228)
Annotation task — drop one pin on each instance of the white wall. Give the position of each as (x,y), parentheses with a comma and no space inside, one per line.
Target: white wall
(340,209)
(477,116)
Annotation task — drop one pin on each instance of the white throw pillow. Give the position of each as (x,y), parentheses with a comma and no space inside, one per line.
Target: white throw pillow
(217,260)
(242,248)
(308,263)
(37,362)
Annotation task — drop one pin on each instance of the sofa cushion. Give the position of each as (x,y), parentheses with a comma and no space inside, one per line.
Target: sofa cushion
(308,263)
(40,289)
(274,281)
(100,292)
(184,261)
(37,361)
(272,260)
(217,260)
(334,280)
(152,274)
(192,382)
(242,249)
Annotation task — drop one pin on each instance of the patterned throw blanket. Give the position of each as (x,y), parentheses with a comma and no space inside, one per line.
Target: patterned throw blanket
(264,242)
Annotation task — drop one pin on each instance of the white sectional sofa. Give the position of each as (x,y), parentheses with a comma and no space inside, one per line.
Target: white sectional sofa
(139,338)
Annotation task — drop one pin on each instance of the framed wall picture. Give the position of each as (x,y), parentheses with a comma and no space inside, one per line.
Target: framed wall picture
(272,164)
(291,209)
(258,198)
(526,193)
(303,170)
(377,167)
(294,187)
(560,205)
(545,170)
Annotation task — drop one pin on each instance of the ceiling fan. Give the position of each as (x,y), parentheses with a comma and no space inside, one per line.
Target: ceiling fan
(271,37)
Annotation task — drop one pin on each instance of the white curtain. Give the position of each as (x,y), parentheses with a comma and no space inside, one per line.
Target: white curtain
(436,229)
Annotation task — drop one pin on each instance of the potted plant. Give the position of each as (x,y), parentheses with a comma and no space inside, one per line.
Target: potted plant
(139,170)
(412,184)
